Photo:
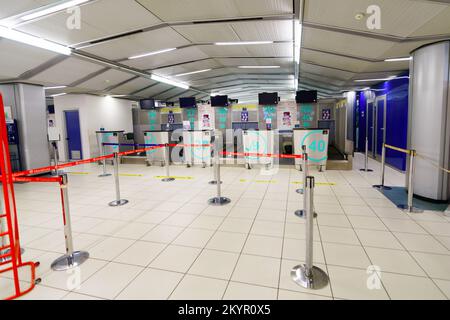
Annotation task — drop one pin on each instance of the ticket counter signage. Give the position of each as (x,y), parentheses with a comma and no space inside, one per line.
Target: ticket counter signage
(316,142)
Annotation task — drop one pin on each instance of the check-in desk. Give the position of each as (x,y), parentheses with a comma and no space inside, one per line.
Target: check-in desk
(113,137)
(156,155)
(260,142)
(316,142)
(197,154)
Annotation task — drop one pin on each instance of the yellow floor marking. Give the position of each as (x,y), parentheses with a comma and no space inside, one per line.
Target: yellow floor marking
(176,178)
(130,175)
(79,173)
(317,183)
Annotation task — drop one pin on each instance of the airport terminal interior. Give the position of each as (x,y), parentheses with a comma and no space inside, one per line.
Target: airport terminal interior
(225,149)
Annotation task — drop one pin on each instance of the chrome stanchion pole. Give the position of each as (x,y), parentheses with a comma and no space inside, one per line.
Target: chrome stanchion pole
(219,200)
(305,169)
(104,174)
(381,186)
(307,275)
(303,213)
(72,258)
(366,159)
(216,155)
(118,202)
(409,207)
(168,178)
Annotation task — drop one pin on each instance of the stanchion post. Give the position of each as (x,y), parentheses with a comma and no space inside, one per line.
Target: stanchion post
(168,178)
(72,258)
(366,158)
(409,207)
(305,168)
(383,170)
(118,202)
(217,150)
(218,200)
(104,174)
(307,275)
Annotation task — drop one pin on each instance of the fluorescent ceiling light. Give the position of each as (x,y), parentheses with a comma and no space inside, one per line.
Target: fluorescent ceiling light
(381,79)
(259,67)
(52,9)
(298,29)
(168,81)
(398,59)
(193,72)
(33,41)
(151,53)
(241,43)
(57,95)
(55,87)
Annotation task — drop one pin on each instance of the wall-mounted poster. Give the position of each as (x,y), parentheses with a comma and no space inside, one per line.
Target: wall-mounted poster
(171,118)
(244,115)
(206,121)
(326,114)
(287,119)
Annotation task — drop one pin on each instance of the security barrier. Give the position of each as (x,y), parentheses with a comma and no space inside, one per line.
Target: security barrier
(412,154)
(366,158)
(218,200)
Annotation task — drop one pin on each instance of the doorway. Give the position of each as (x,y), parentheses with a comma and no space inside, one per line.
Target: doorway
(380,124)
(73,135)
(370,124)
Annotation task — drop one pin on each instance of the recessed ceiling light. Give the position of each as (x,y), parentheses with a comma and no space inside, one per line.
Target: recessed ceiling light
(241,43)
(359,16)
(151,53)
(381,79)
(171,82)
(52,9)
(55,87)
(193,72)
(398,59)
(33,41)
(259,67)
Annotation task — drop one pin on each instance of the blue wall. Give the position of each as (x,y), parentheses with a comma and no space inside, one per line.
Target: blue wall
(396,92)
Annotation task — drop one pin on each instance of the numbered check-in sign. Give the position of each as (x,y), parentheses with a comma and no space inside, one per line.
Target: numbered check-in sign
(316,142)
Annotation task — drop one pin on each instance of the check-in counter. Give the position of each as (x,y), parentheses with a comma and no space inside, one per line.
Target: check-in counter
(261,142)
(114,137)
(198,154)
(316,142)
(156,155)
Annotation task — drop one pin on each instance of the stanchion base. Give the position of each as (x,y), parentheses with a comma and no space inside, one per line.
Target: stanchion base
(67,262)
(317,279)
(168,179)
(118,203)
(219,201)
(379,186)
(302,214)
(407,209)
(300,191)
(104,175)
(214,182)
(366,170)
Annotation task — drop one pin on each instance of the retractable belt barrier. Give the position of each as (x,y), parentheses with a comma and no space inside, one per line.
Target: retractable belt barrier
(262,155)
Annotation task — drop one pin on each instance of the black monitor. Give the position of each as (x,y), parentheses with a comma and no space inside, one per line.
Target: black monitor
(219,101)
(268,98)
(147,104)
(306,96)
(188,102)
(51,109)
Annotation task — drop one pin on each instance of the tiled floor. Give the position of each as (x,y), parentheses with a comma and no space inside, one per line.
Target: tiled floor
(167,243)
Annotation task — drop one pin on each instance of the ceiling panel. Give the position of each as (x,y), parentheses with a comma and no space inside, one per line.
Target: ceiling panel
(325,72)
(399,17)
(351,45)
(211,32)
(168,58)
(335,61)
(106,80)
(189,67)
(440,24)
(150,92)
(132,86)
(171,10)
(170,92)
(12,8)
(17,58)
(67,72)
(232,62)
(99,19)
(137,44)
(281,30)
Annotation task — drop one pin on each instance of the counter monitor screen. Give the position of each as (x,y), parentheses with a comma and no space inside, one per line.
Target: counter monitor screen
(268,98)
(147,104)
(305,96)
(189,102)
(219,101)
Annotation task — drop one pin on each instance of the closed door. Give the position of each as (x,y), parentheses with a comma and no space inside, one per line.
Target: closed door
(73,135)
(370,125)
(380,131)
